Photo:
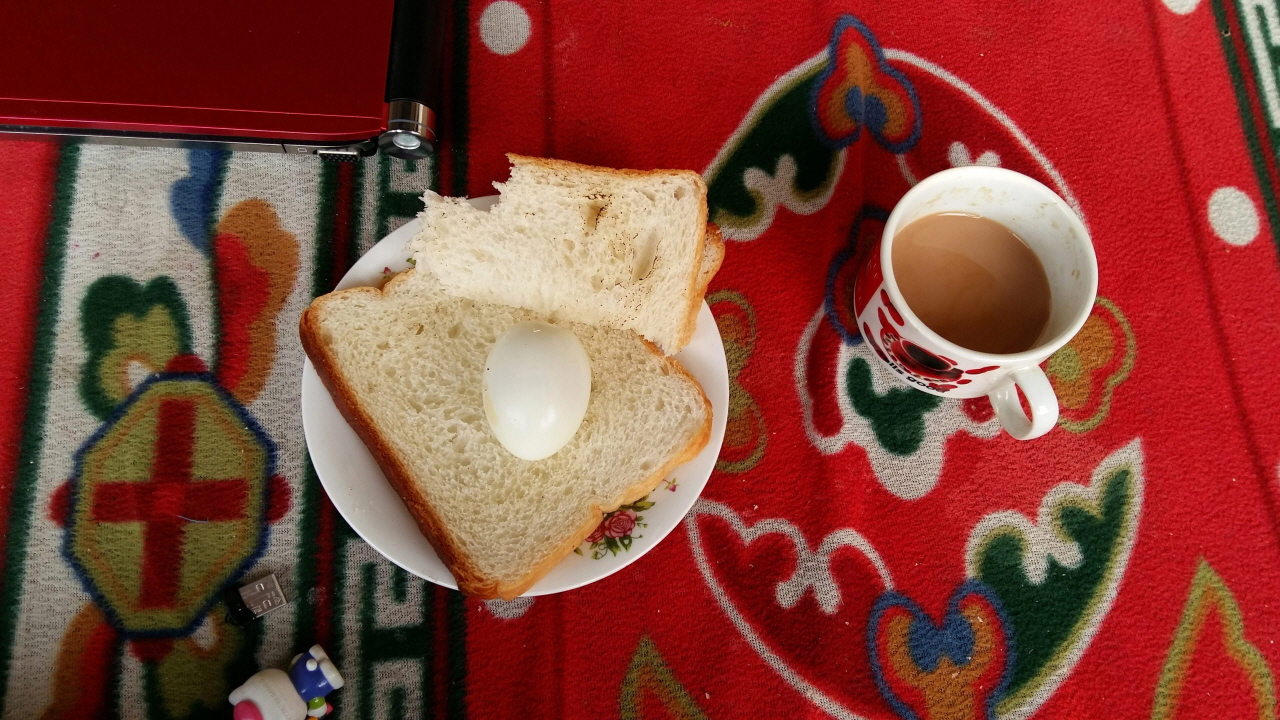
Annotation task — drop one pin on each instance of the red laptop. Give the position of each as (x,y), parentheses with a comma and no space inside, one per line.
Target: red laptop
(333,78)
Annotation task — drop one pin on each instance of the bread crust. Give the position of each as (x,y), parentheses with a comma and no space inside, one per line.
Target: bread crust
(709,265)
(470,580)
(570,166)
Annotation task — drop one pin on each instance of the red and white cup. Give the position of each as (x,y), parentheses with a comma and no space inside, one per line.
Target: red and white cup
(920,357)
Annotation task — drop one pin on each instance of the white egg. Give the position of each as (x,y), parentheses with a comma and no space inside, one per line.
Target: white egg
(537,381)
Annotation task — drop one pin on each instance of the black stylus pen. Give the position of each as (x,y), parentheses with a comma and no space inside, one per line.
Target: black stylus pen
(415,75)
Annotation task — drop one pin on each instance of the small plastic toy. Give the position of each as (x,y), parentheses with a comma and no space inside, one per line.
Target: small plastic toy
(275,695)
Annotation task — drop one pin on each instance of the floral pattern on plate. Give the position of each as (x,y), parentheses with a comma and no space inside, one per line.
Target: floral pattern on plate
(614,533)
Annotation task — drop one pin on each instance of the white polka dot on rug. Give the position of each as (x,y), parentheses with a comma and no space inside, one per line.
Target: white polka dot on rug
(504,27)
(1233,216)
(1181,7)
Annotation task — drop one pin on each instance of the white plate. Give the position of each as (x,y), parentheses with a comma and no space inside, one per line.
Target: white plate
(373,509)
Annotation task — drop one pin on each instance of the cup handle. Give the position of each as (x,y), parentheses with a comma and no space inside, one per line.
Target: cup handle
(1039,393)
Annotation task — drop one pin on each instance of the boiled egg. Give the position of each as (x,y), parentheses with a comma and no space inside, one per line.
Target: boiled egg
(537,381)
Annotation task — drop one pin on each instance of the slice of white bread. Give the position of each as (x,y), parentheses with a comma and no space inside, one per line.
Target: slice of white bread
(620,248)
(404,365)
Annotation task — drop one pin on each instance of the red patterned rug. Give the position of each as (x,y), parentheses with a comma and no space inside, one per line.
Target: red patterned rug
(863,550)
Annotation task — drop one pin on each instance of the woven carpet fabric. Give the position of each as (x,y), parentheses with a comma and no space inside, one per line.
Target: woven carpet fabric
(863,550)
